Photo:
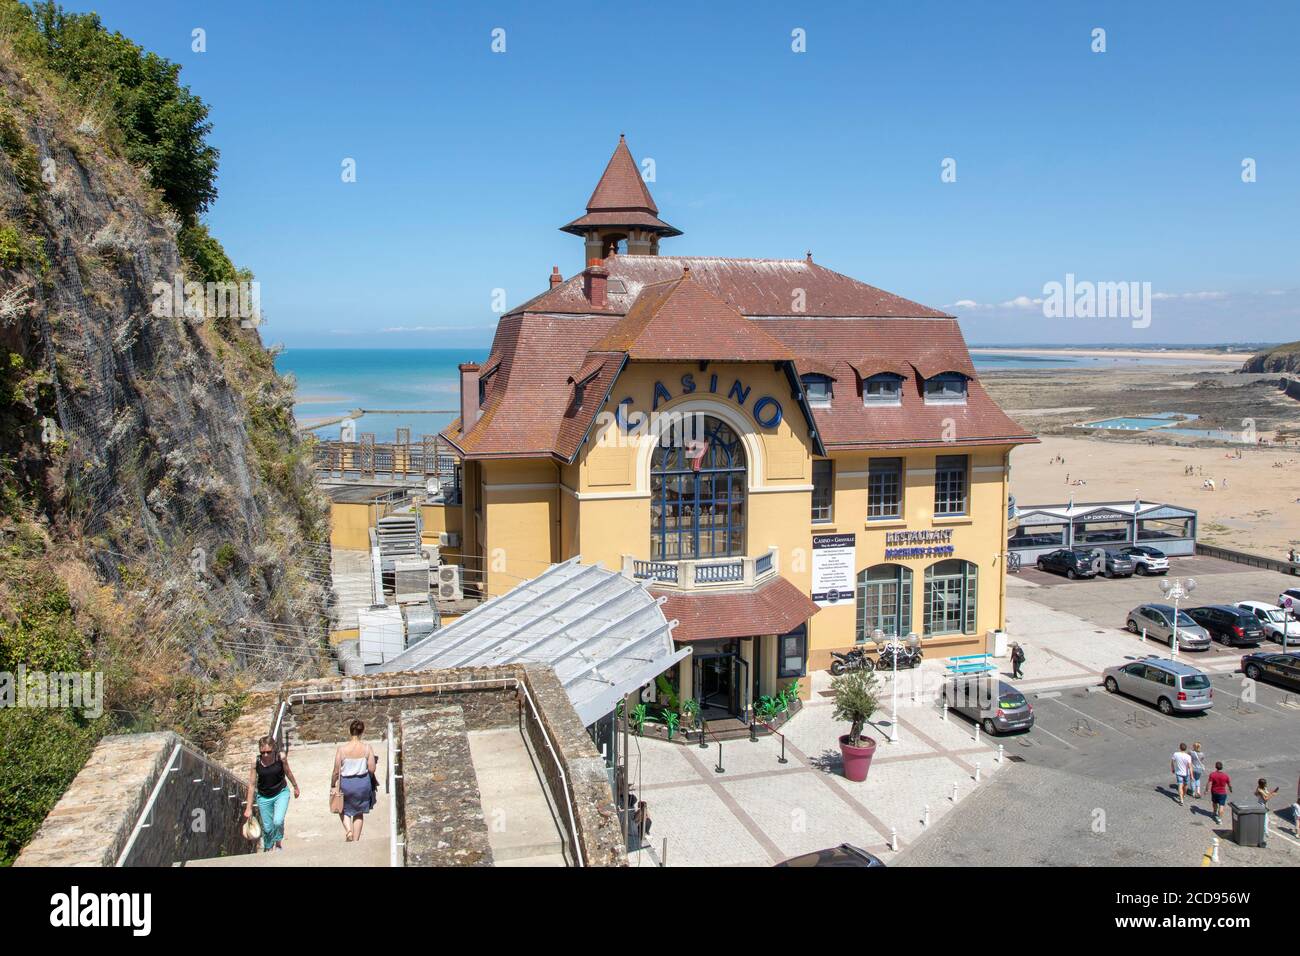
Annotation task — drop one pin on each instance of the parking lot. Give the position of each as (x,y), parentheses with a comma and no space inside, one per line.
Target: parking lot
(1091,783)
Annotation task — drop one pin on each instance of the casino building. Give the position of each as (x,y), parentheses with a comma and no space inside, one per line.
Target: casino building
(790,458)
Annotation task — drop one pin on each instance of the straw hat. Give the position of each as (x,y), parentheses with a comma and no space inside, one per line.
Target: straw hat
(252,828)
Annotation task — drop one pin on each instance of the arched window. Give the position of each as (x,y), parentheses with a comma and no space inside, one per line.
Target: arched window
(697,504)
(884,601)
(950,590)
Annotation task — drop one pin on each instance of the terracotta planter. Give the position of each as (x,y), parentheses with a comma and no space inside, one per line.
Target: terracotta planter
(857,760)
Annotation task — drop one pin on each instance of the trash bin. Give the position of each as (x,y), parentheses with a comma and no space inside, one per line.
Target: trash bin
(1248,824)
(996,643)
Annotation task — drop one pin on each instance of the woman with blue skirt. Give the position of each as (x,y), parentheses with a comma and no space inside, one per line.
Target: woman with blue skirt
(354,778)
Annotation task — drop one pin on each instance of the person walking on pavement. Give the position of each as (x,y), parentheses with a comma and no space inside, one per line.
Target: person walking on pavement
(1017,660)
(1198,771)
(1220,787)
(1264,795)
(1181,765)
(266,782)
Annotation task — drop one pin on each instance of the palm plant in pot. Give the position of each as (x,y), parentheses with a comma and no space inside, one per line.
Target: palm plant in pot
(855,702)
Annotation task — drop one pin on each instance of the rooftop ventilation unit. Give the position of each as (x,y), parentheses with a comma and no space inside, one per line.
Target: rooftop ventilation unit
(383,634)
(449,588)
(411,580)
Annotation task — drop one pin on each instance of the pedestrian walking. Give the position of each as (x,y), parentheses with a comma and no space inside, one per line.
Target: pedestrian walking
(1264,795)
(267,784)
(1181,765)
(1295,809)
(1017,660)
(354,781)
(1220,787)
(1198,770)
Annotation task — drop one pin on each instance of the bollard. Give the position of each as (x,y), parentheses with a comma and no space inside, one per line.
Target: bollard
(925,818)
(944,718)
(781,759)
(718,768)
(893,839)
(1214,854)
(1000,749)
(753,733)
(663,857)
(977,733)
(953,798)
(977,771)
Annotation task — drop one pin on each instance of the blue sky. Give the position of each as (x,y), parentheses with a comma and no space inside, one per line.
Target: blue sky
(1115,166)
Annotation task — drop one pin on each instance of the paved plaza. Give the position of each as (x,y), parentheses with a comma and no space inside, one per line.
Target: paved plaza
(1089,785)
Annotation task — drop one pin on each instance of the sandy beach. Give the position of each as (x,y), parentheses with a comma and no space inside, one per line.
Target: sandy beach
(1253,507)
(1230,358)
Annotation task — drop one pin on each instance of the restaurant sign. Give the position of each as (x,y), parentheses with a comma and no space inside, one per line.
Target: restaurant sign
(933,543)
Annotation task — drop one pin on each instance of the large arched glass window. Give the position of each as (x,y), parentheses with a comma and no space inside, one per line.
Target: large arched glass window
(884,601)
(950,589)
(697,504)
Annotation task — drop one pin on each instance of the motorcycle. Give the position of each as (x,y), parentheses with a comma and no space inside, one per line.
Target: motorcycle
(853,660)
(906,657)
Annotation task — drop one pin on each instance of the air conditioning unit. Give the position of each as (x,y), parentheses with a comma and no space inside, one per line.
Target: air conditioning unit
(449,539)
(449,583)
(411,581)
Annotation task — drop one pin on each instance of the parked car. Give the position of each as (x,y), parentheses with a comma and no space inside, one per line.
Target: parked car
(1117,564)
(1157,620)
(1294,595)
(1148,560)
(1174,687)
(994,704)
(846,854)
(1274,621)
(1274,668)
(1072,562)
(1228,624)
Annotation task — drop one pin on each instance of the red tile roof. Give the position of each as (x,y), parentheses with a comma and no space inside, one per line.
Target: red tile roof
(621,198)
(849,330)
(774,607)
(667,319)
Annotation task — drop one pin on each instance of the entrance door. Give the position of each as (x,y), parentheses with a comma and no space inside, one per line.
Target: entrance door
(719,683)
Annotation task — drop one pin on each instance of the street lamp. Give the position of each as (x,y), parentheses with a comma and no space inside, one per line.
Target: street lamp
(913,642)
(1176,590)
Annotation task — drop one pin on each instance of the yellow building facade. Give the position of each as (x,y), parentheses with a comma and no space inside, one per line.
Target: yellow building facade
(795,462)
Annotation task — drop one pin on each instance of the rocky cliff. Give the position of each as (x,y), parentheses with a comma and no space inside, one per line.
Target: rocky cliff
(158,520)
(1284,358)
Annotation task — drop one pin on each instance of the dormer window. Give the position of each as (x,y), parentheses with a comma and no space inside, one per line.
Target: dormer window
(883,389)
(817,389)
(946,388)
(578,391)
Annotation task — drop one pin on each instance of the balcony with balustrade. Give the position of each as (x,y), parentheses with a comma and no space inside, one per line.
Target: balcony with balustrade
(703,574)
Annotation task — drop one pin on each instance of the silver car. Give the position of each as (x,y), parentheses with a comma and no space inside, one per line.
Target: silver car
(1172,686)
(1157,620)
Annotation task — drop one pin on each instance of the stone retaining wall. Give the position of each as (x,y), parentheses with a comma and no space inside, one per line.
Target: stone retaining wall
(442,812)
(93,821)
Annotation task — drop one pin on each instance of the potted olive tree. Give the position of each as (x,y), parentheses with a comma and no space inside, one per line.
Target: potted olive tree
(855,701)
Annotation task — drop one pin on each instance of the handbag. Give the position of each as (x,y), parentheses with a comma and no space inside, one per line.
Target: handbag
(336,800)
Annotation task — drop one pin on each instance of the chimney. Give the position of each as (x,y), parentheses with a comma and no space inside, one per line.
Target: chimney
(469,407)
(595,283)
(556,278)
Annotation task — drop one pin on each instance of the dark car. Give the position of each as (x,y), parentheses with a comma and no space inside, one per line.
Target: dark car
(1072,562)
(1274,668)
(1228,625)
(846,854)
(994,704)
(1117,564)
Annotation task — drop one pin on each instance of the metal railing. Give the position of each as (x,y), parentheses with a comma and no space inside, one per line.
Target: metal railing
(718,572)
(1252,560)
(392,798)
(691,573)
(505,683)
(655,571)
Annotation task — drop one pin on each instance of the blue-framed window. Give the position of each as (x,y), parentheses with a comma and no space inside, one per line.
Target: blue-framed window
(951,484)
(886,388)
(823,495)
(792,653)
(949,387)
(817,389)
(884,601)
(697,505)
(950,597)
(885,488)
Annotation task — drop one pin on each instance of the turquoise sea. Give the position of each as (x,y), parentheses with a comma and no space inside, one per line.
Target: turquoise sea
(423,383)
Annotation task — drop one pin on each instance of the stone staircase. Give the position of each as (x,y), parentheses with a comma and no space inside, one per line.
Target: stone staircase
(522,829)
(312,835)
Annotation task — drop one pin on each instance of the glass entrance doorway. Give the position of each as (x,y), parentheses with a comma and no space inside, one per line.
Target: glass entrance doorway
(720,679)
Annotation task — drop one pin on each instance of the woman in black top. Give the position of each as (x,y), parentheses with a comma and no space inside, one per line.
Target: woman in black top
(266,781)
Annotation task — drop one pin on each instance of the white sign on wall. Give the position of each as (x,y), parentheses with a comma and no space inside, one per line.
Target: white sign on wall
(833,562)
